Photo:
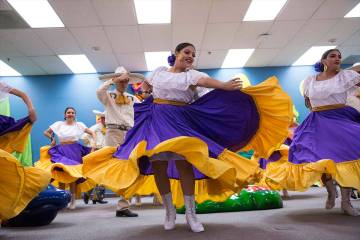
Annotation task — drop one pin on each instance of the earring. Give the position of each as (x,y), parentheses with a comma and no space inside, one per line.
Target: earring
(325,68)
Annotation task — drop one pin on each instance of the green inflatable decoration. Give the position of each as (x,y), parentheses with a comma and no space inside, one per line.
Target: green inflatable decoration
(25,158)
(251,198)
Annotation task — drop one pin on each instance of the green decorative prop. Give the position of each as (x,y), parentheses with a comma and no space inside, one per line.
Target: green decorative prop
(251,198)
(25,158)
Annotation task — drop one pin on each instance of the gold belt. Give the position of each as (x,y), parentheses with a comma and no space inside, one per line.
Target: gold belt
(68,142)
(170,102)
(327,107)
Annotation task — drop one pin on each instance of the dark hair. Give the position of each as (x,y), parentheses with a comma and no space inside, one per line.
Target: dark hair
(66,109)
(179,47)
(319,66)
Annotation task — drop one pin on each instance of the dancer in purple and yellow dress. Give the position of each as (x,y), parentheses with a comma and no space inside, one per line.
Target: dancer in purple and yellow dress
(64,160)
(193,141)
(326,145)
(18,184)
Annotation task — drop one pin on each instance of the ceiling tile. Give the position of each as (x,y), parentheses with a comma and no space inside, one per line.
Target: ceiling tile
(75,13)
(312,31)
(228,11)
(115,12)
(211,59)
(27,42)
(280,34)
(60,40)
(132,62)
(25,66)
(341,31)
(334,9)
(103,62)
(51,64)
(353,40)
(90,38)
(190,11)
(183,32)
(156,37)
(124,39)
(262,57)
(219,36)
(248,34)
(299,10)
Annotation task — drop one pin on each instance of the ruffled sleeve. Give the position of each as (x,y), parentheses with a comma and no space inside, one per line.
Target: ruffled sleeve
(154,73)
(81,126)
(306,85)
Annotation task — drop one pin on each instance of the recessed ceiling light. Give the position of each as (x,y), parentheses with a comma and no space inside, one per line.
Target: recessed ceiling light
(261,10)
(312,55)
(156,59)
(78,63)
(153,11)
(355,12)
(236,58)
(37,13)
(6,70)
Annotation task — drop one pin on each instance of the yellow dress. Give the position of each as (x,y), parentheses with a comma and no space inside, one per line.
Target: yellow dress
(18,185)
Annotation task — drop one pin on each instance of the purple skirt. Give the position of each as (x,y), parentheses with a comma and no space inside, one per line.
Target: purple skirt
(68,154)
(276,155)
(9,124)
(220,118)
(331,134)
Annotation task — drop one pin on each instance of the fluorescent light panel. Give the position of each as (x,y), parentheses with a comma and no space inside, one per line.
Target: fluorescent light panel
(78,63)
(236,58)
(153,11)
(156,59)
(37,13)
(6,70)
(261,10)
(312,55)
(355,12)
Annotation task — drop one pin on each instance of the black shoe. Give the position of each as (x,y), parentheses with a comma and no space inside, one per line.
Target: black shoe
(86,198)
(99,201)
(125,213)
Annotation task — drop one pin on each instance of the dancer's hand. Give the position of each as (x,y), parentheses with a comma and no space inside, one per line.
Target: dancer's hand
(122,78)
(233,84)
(32,115)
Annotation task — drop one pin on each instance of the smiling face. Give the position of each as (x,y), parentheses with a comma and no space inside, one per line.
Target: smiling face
(332,60)
(122,86)
(185,57)
(70,114)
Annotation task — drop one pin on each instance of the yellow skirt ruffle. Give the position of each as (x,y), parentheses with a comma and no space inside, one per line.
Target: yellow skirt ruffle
(227,174)
(299,177)
(18,185)
(276,113)
(15,141)
(62,173)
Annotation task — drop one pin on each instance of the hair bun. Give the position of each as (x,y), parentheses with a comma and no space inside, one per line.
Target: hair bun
(171,59)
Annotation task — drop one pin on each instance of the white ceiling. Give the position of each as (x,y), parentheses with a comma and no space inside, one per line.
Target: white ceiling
(213,26)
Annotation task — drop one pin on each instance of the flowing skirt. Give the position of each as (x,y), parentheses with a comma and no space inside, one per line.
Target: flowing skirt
(18,185)
(14,133)
(206,133)
(327,142)
(64,162)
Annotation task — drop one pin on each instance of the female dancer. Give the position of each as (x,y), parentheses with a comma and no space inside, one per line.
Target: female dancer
(64,160)
(178,137)
(326,145)
(18,184)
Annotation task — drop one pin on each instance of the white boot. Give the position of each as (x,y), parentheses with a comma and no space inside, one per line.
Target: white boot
(331,189)
(72,204)
(190,214)
(170,211)
(346,206)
